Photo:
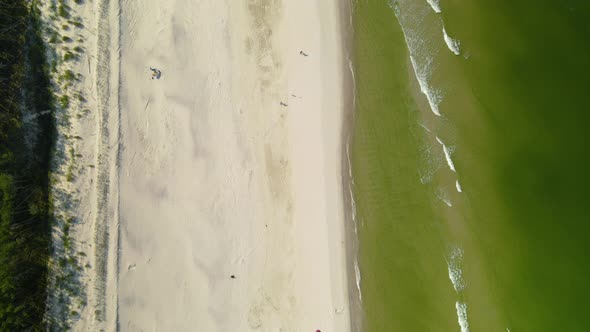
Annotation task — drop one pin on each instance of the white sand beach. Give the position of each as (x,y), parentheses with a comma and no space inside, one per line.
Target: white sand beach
(228,165)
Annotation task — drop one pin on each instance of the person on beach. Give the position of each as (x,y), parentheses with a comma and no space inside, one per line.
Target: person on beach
(155,73)
(302,53)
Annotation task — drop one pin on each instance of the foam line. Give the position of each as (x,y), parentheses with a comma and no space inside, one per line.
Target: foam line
(447,155)
(454,265)
(431,96)
(462,316)
(452,44)
(435,5)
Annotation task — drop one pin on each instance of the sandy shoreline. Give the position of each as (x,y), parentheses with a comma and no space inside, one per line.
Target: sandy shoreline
(207,175)
(350,213)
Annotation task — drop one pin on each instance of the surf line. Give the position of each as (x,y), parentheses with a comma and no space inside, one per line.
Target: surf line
(455,268)
(432,97)
(435,4)
(452,44)
(447,153)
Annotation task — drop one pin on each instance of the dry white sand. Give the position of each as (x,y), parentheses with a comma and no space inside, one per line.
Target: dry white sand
(209,176)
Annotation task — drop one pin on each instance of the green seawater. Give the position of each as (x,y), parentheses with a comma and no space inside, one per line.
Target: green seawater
(514,119)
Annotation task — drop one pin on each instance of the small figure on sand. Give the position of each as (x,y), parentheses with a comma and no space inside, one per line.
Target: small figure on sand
(156,73)
(283,104)
(303,53)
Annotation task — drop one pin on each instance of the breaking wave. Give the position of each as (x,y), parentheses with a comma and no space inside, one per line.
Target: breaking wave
(433,96)
(411,16)
(455,267)
(458,185)
(357,271)
(452,44)
(357,274)
(462,316)
(435,4)
(442,195)
(447,155)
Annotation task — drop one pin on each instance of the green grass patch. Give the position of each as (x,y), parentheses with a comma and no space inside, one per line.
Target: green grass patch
(64,102)
(63,11)
(69,56)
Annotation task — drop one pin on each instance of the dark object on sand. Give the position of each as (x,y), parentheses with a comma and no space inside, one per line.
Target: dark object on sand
(232,276)
(303,53)
(283,104)
(156,74)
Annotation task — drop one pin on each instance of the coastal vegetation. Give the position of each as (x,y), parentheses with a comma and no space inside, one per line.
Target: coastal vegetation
(26,136)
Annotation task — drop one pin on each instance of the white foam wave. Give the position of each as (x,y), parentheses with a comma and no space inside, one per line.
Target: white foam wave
(435,5)
(411,15)
(433,96)
(454,264)
(447,153)
(357,274)
(352,201)
(449,160)
(425,177)
(349,163)
(351,68)
(424,127)
(442,195)
(462,316)
(452,44)
(458,185)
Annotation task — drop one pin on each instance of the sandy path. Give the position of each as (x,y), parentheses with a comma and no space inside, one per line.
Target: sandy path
(218,179)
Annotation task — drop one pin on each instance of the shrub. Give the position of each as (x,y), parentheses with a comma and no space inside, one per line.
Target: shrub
(69,75)
(64,102)
(69,56)
(63,11)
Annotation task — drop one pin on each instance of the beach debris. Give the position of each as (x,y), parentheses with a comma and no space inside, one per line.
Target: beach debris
(303,53)
(283,104)
(232,276)
(156,73)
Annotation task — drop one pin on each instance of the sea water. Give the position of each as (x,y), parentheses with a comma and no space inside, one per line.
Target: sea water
(470,171)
